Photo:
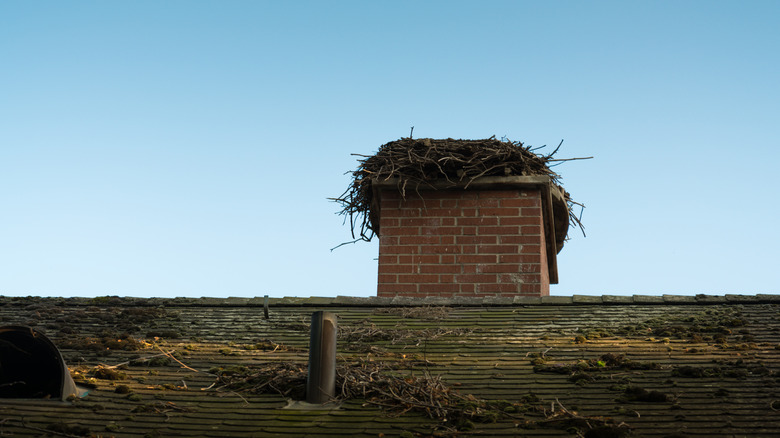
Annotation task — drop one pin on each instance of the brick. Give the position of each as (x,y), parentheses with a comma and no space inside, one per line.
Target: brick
(475,240)
(531,230)
(449,203)
(395,269)
(385,222)
(481,258)
(519,278)
(519,258)
(470,269)
(518,239)
(417,278)
(441,231)
(475,278)
(531,288)
(440,249)
(521,202)
(531,249)
(479,203)
(499,288)
(519,220)
(447,258)
(469,231)
(433,239)
(446,278)
(527,221)
(505,230)
(440,269)
(400,231)
(467,288)
(398,249)
(469,249)
(531,211)
(404,212)
(498,249)
(531,268)
(468,203)
(418,240)
(389,203)
(440,288)
(500,268)
(499,211)
(417,259)
(443,212)
(385,240)
(383,289)
(478,221)
(388,278)
(420,222)
(388,259)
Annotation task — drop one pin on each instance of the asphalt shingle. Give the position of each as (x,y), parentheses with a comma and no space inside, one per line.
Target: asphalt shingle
(640,366)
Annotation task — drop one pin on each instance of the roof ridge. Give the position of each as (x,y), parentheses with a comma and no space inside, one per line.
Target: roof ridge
(350,301)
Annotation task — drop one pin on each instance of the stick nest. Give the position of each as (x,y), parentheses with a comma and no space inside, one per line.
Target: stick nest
(421,162)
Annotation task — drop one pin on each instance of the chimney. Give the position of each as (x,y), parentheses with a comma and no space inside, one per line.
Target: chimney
(494,236)
(455,218)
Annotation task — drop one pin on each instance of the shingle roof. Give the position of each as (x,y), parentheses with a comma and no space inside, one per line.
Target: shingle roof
(655,366)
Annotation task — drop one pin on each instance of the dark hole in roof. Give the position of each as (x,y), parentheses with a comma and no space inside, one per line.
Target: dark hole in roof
(31,366)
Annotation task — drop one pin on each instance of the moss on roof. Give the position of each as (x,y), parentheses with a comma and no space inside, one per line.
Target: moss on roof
(665,366)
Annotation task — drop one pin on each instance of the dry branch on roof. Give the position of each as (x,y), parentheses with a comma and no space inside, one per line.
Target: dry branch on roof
(422,162)
(423,313)
(399,388)
(374,333)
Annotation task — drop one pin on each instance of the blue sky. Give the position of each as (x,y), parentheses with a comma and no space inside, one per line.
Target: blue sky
(188,148)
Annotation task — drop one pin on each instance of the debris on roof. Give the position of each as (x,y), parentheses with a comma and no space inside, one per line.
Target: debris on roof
(421,162)
(543,367)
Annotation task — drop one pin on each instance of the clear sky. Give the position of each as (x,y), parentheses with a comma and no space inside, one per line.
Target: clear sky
(188,148)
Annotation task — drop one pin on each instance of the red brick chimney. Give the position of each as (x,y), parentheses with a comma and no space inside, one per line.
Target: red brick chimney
(495,236)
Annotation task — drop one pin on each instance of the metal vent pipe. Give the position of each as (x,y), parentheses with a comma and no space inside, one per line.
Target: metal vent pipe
(321,381)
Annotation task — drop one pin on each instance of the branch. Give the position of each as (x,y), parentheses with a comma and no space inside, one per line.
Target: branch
(345,243)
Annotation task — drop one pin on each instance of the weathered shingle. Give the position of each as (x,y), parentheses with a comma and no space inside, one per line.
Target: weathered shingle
(663,366)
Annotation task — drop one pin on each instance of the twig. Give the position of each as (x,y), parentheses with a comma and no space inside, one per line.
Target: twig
(570,159)
(562,407)
(345,243)
(183,365)
(556,150)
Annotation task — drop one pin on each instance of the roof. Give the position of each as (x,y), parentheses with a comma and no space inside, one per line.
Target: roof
(651,366)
